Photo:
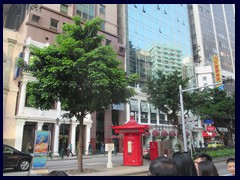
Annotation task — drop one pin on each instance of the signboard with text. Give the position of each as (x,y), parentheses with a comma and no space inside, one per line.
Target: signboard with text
(217,69)
(109,147)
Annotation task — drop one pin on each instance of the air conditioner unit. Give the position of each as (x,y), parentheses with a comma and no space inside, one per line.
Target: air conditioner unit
(143,116)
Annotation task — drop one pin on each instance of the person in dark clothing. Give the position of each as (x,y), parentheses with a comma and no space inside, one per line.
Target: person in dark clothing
(89,149)
(201,157)
(207,168)
(69,149)
(163,166)
(57,173)
(185,164)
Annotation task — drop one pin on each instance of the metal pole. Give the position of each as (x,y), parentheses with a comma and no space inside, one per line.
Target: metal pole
(183,122)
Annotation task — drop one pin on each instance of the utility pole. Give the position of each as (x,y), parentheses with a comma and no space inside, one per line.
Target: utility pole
(181,91)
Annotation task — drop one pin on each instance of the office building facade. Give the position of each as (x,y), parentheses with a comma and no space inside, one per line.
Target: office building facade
(157,36)
(213,33)
(38,24)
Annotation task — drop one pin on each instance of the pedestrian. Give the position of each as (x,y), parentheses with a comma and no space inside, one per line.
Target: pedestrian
(200,144)
(30,149)
(89,149)
(69,149)
(195,144)
(201,157)
(231,166)
(163,166)
(207,168)
(57,173)
(102,148)
(184,164)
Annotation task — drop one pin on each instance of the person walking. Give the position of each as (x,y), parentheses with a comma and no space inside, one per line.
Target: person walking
(89,149)
(69,149)
(102,148)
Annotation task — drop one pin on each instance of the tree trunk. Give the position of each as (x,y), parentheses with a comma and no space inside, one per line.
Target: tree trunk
(80,148)
(230,140)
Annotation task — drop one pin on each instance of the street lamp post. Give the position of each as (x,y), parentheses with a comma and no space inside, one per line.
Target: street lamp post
(181,91)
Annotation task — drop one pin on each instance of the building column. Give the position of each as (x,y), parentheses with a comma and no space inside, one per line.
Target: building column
(87,136)
(127,112)
(56,140)
(149,113)
(22,97)
(26,55)
(73,137)
(19,134)
(7,70)
(39,126)
(139,111)
(58,109)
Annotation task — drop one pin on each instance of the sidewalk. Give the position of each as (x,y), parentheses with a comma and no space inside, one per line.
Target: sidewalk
(118,169)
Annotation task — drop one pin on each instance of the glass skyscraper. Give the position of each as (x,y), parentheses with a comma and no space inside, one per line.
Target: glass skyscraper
(158,37)
(213,33)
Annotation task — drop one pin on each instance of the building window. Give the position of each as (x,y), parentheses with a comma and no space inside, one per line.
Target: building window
(54,23)
(103,26)
(64,9)
(102,9)
(144,112)
(85,11)
(35,18)
(134,108)
(162,117)
(108,42)
(121,49)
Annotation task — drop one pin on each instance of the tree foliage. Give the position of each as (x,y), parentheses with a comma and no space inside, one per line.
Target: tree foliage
(163,91)
(80,72)
(215,104)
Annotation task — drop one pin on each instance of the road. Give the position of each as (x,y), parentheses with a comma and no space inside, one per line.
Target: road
(96,163)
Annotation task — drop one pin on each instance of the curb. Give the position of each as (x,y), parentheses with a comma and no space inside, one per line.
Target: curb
(58,158)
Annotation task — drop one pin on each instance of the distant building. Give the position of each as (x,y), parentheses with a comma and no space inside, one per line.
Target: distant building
(213,33)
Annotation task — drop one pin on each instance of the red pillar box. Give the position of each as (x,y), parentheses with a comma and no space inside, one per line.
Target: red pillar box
(132,142)
(153,150)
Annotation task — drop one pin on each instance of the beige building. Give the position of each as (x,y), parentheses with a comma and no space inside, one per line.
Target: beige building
(38,24)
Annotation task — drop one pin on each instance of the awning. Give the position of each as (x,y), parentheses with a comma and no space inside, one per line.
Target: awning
(172,133)
(155,133)
(208,134)
(164,133)
(146,133)
(211,128)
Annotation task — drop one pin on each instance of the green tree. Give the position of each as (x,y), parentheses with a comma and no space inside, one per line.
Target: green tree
(80,72)
(163,91)
(215,104)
